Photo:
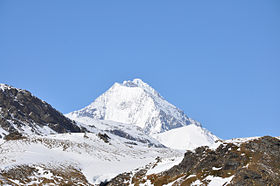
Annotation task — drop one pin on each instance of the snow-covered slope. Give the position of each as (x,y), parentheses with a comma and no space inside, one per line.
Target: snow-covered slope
(243,161)
(132,133)
(187,137)
(135,102)
(87,154)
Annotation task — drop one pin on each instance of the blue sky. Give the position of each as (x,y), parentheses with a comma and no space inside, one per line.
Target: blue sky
(219,61)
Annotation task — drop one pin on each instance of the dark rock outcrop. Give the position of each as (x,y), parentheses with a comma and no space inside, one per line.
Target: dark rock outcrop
(104,137)
(125,135)
(19,109)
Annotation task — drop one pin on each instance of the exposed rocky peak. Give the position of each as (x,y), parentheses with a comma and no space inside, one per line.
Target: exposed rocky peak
(254,162)
(135,102)
(22,112)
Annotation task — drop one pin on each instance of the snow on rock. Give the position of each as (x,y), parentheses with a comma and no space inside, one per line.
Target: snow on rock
(164,165)
(25,114)
(96,159)
(214,181)
(196,183)
(238,141)
(132,133)
(186,138)
(135,102)
(4,86)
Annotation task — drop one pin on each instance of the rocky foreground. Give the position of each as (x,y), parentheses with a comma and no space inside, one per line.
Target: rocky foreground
(255,162)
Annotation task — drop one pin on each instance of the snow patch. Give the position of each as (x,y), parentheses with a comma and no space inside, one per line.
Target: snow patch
(217,168)
(164,165)
(186,138)
(214,181)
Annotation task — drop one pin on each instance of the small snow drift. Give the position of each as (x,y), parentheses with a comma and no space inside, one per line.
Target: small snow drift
(186,138)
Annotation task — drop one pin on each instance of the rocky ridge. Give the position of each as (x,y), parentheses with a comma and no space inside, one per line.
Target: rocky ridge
(23,113)
(254,162)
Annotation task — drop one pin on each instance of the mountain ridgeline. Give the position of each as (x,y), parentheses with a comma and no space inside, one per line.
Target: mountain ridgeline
(135,102)
(249,162)
(21,112)
(130,135)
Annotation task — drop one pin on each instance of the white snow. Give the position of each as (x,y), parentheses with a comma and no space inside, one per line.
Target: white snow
(3,132)
(197,182)
(165,164)
(103,125)
(217,168)
(218,181)
(3,87)
(186,138)
(135,102)
(138,104)
(96,159)
(239,141)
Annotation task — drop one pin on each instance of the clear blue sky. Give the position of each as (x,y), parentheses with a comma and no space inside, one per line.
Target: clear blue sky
(219,61)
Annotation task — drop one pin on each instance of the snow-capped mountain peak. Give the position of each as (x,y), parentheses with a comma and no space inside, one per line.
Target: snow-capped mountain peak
(139,83)
(135,102)
(135,82)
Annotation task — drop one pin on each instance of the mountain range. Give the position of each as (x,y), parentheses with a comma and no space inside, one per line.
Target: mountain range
(130,135)
(136,103)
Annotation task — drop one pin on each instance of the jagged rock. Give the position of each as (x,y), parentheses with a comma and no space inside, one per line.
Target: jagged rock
(256,162)
(20,111)
(14,136)
(104,137)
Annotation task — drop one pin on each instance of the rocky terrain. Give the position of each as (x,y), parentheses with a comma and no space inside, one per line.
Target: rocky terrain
(110,143)
(254,162)
(39,145)
(73,158)
(21,112)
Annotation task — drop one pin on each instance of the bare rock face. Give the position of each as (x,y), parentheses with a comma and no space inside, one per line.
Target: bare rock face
(22,112)
(255,162)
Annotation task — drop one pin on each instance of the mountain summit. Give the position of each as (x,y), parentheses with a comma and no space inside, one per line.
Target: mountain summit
(135,102)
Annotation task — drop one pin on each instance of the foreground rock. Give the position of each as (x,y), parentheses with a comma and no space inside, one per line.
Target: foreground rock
(42,175)
(255,162)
